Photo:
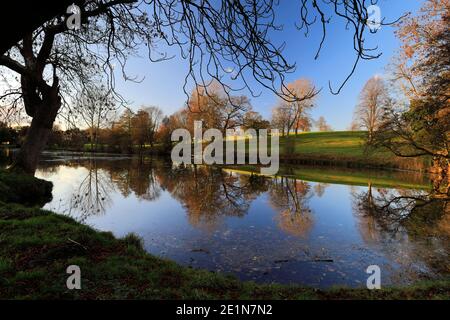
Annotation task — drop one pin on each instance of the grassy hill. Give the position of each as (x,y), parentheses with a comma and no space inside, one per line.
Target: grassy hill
(333,144)
(341,148)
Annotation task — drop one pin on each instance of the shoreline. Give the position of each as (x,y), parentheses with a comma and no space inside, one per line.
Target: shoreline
(38,245)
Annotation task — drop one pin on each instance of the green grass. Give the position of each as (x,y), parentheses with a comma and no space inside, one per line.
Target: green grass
(335,144)
(342,148)
(147,147)
(359,177)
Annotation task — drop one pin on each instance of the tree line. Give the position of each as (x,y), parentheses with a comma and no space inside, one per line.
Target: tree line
(107,129)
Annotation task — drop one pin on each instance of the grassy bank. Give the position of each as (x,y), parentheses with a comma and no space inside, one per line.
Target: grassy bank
(36,247)
(345,148)
(347,176)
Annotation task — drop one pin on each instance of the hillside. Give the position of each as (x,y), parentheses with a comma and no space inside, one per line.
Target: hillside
(341,148)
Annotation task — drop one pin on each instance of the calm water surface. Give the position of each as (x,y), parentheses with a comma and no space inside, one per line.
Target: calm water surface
(282,229)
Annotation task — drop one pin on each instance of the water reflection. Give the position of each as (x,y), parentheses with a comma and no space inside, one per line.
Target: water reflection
(290,199)
(208,194)
(394,210)
(92,195)
(266,229)
(100,178)
(414,220)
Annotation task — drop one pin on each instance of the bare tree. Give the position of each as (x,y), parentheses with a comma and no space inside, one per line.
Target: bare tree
(216,108)
(322,125)
(54,63)
(420,127)
(95,108)
(372,105)
(155,115)
(354,126)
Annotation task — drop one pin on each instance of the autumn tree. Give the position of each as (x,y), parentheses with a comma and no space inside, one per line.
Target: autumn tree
(373,102)
(120,135)
(140,129)
(304,124)
(279,120)
(287,115)
(421,126)
(254,120)
(178,120)
(164,134)
(217,109)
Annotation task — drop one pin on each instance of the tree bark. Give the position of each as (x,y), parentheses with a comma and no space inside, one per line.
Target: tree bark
(28,157)
(38,133)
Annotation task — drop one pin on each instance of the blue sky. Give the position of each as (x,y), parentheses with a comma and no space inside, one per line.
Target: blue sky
(163,81)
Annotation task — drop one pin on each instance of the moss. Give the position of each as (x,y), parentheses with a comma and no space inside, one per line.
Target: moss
(24,189)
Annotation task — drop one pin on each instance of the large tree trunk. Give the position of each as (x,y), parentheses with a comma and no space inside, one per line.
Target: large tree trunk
(37,136)
(30,151)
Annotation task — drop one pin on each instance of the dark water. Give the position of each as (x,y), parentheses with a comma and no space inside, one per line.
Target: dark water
(280,229)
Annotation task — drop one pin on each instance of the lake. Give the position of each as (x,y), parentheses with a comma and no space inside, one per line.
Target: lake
(310,226)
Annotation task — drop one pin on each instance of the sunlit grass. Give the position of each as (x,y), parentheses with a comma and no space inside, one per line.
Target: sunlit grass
(361,177)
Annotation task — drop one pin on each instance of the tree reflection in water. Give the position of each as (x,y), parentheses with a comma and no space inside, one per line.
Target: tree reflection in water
(319,189)
(417,221)
(103,177)
(209,194)
(289,197)
(405,232)
(91,196)
(137,176)
(93,193)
